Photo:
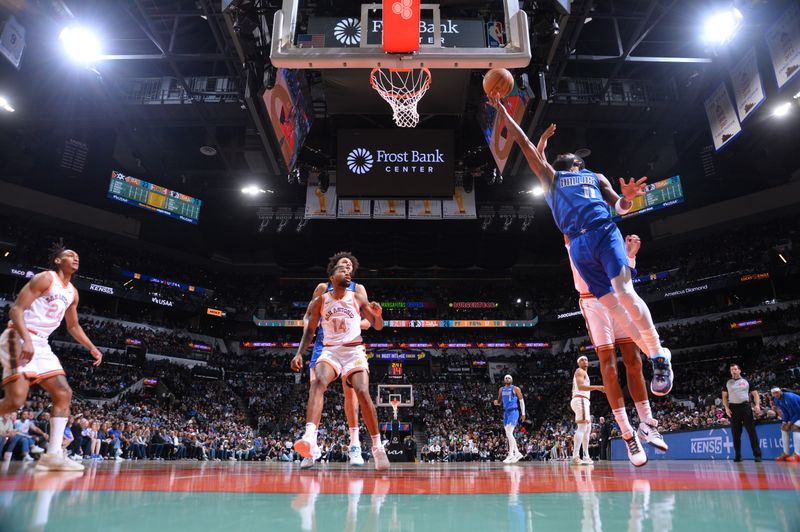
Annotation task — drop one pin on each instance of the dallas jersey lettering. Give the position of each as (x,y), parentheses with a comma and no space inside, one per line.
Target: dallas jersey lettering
(341,319)
(576,202)
(42,318)
(319,337)
(45,314)
(510,405)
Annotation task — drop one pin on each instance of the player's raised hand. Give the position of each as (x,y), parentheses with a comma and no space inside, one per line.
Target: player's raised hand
(496,402)
(297,363)
(632,245)
(97,355)
(633,188)
(376,308)
(549,132)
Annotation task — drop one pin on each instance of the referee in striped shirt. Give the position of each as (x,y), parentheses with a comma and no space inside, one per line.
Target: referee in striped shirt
(736,398)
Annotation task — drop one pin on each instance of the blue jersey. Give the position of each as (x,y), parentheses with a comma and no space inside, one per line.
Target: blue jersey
(320,335)
(576,202)
(789,403)
(510,399)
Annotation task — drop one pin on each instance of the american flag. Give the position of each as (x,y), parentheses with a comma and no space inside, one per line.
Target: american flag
(311,40)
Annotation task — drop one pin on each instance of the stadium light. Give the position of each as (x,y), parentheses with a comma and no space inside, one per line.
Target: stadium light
(255,190)
(720,27)
(81,45)
(782,110)
(5,106)
(537,191)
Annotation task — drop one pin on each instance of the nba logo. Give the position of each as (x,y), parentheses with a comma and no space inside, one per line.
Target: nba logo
(401,26)
(495,34)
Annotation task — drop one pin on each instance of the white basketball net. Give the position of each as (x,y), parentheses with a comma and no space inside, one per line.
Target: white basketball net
(402,89)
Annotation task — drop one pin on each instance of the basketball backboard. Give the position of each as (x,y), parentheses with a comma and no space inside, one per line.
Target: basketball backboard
(354,41)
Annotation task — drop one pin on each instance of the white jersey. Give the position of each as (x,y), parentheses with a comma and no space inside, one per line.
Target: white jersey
(341,319)
(578,391)
(46,312)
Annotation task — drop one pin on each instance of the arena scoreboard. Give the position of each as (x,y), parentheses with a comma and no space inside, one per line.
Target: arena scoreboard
(658,195)
(140,193)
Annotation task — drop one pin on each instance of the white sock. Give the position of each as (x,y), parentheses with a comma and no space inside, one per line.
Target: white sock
(376,441)
(645,414)
(622,420)
(785,440)
(577,440)
(796,439)
(57,426)
(586,435)
(354,437)
(651,341)
(311,432)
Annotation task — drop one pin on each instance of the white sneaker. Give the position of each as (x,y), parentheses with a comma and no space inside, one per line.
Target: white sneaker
(355,456)
(381,459)
(517,457)
(651,435)
(508,458)
(576,460)
(635,452)
(27,458)
(35,449)
(307,448)
(587,461)
(307,463)
(57,462)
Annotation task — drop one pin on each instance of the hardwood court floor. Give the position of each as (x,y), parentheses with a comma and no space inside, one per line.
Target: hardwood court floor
(203,496)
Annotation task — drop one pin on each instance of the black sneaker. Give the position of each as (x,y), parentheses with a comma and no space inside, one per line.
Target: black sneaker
(737,459)
(758,458)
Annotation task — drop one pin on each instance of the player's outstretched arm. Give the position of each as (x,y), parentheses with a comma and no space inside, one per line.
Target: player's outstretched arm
(497,402)
(308,333)
(536,160)
(76,331)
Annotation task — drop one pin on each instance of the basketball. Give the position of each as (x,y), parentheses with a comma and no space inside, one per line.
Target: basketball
(498,82)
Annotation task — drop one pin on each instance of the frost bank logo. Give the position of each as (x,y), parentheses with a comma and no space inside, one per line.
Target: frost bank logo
(359,161)
(348,31)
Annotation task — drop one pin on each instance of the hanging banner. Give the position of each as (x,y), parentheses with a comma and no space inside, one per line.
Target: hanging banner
(462,206)
(389,210)
(320,205)
(748,89)
(722,117)
(354,208)
(424,210)
(783,41)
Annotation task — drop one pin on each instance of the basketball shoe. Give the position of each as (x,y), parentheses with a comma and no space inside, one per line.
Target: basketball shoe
(381,459)
(651,435)
(635,452)
(662,373)
(355,456)
(57,462)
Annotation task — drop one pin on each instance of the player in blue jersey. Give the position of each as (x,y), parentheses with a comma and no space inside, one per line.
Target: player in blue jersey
(350,401)
(789,405)
(510,397)
(579,200)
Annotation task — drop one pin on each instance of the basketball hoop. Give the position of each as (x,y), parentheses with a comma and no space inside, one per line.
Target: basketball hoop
(402,88)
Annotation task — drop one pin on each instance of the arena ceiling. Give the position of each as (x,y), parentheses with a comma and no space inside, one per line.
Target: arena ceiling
(623,78)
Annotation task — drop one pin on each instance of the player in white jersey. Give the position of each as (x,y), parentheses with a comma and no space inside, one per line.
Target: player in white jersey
(27,358)
(349,261)
(581,392)
(343,355)
(605,333)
